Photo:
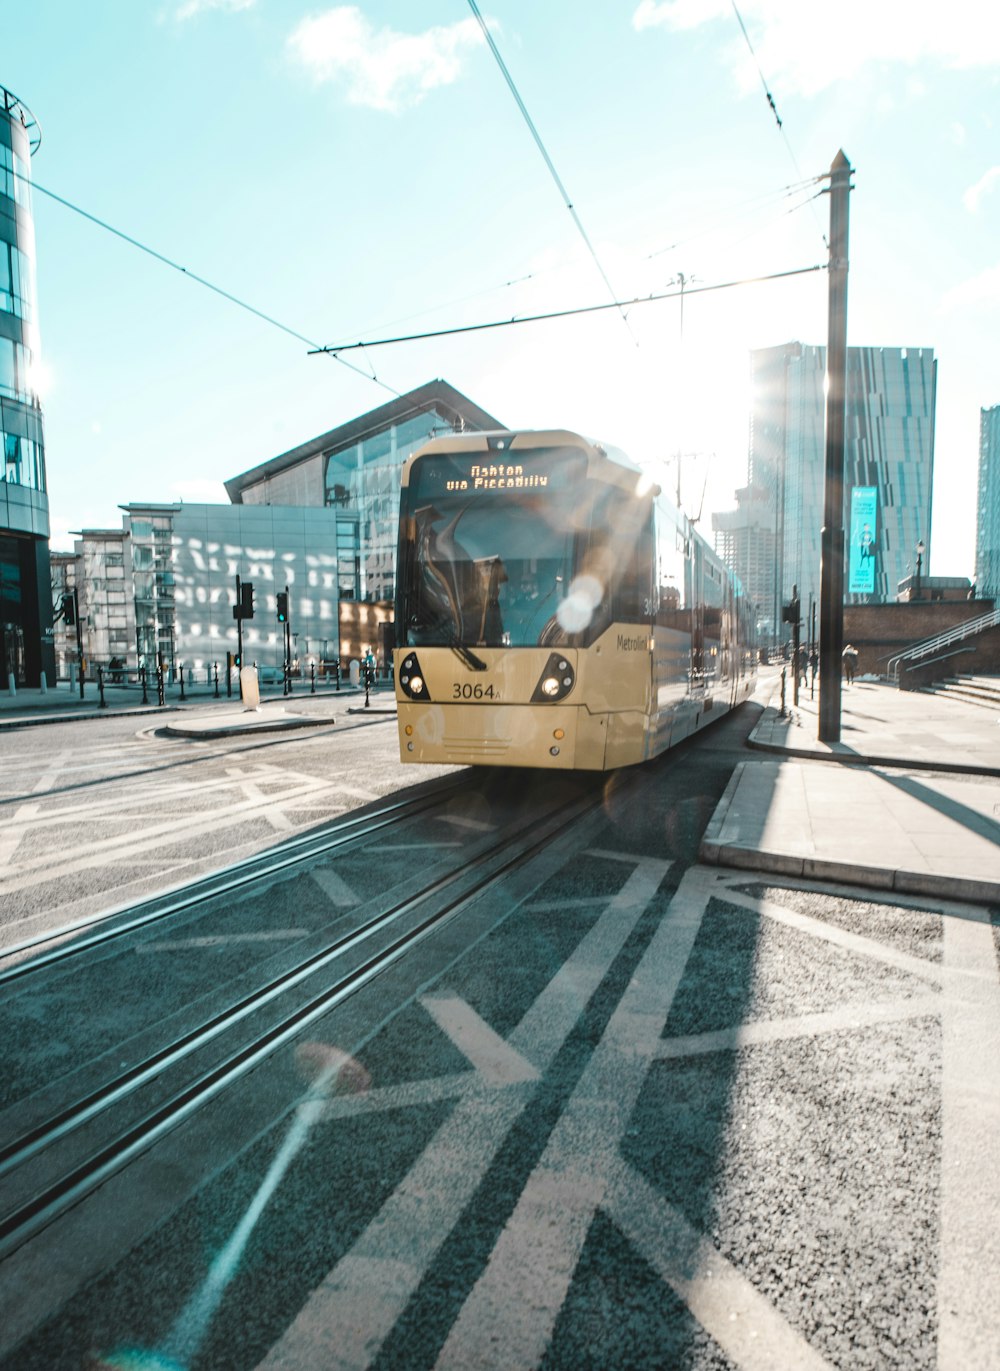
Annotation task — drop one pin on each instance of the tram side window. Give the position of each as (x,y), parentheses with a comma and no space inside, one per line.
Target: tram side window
(673,608)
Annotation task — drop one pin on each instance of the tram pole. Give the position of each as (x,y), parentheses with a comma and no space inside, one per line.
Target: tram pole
(831,594)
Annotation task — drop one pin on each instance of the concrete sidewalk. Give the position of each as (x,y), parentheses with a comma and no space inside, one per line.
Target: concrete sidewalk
(200,713)
(908,800)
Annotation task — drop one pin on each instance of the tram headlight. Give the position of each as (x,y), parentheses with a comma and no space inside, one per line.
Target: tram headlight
(556,681)
(411,678)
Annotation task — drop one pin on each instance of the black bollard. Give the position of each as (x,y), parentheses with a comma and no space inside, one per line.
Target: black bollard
(783,711)
(159,684)
(216,680)
(145,692)
(100,686)
(181,674)
(312,678)
(336,671)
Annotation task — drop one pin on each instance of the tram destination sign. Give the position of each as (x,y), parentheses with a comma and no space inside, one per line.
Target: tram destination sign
(480,473)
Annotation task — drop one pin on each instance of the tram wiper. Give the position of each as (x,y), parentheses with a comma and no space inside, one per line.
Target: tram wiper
(470,659)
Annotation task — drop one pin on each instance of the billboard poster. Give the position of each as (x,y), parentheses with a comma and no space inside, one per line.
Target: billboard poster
(861,565)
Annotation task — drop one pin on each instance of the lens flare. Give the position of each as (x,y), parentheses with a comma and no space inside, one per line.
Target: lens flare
(577,610)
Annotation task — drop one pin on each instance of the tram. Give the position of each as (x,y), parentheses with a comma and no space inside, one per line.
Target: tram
(555,610)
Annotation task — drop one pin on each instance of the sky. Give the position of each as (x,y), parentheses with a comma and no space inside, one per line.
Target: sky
(358,172)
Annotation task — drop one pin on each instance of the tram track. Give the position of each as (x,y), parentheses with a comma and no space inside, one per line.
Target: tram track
(352,828)
(65,1155)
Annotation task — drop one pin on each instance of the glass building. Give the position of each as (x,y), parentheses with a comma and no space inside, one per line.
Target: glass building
(25,582)
(988,506)
(183,560)
(888,469)
(354,471)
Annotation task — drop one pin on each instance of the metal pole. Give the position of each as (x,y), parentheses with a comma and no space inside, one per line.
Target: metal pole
(100,686)
(79,635)
(238,615)
(216,680)
(831,593)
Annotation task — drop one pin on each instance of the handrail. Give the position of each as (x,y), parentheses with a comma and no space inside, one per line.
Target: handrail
(929,646)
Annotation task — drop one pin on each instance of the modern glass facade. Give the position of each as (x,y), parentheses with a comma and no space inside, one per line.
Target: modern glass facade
(354,471)
(25,584)
(362,484)
(988,506)
(182,561)
(889,450)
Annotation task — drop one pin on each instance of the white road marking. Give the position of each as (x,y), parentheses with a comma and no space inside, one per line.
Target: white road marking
(25,816)
(221,940)
(799,1026)
(347,1318)
(495,1060)
(968,1309)
(532,1264)
(335,888)
(131,844)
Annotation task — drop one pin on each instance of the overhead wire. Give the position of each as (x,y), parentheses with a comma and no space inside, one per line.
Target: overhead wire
(209,285)
(684,293)
(770,98)
(544,152)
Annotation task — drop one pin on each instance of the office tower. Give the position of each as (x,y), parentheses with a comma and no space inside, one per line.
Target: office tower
(888,468)
(25,587)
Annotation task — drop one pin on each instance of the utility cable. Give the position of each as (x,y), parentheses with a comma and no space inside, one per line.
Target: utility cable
(201,281)
(770,98)
(545,156)
(685,292)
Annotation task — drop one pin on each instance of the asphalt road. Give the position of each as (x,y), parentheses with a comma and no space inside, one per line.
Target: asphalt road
(628,1112)
(99,812)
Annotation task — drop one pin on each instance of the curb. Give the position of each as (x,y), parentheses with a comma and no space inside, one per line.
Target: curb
(858,758)
(713,852)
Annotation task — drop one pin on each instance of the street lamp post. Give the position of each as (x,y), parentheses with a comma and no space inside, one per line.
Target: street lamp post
(920,562)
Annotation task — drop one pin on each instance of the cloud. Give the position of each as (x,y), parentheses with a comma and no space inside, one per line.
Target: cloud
(190,8)
(983,186)
(797,59)
(381,68)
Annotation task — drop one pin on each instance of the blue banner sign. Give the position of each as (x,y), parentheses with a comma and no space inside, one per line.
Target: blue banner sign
(864,515)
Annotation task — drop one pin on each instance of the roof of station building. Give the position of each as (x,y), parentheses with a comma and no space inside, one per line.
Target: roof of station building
(437,396)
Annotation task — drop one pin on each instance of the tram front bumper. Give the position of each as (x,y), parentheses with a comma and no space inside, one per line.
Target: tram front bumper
(556,737)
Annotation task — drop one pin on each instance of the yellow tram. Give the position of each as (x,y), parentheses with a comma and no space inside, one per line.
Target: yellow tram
(554,610)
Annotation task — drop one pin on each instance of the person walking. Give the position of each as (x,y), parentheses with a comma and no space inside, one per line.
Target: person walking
(850,657)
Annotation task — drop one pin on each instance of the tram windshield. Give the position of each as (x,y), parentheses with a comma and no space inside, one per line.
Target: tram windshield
(490,546)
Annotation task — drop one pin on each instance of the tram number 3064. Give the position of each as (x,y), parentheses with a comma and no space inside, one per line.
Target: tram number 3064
(464,691)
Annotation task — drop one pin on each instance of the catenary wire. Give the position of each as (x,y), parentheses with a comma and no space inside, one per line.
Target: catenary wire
(770,98)
(545,155)
(201,281)
(566,313)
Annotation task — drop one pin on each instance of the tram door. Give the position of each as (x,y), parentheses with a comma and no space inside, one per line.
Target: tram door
(697,602)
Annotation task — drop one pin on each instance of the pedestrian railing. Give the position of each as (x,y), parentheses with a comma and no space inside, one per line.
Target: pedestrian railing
(929,648)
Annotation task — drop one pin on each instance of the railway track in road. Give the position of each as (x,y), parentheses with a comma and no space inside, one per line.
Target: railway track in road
(74,1144)
(116,923)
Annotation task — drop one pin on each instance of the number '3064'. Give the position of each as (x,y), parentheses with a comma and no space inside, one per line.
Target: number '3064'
(467,691)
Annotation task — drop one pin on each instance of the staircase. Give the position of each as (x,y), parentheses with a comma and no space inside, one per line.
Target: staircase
(974,690)
(938,649)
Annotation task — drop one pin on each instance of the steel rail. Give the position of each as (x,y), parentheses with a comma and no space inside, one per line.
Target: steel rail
(52,1200)
(248,869)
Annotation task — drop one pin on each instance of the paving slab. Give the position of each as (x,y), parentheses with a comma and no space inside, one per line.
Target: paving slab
(907,800)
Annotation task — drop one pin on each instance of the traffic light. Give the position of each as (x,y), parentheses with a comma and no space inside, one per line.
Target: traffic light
(69,609)
(282,606)
(246,600)
(237,660)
